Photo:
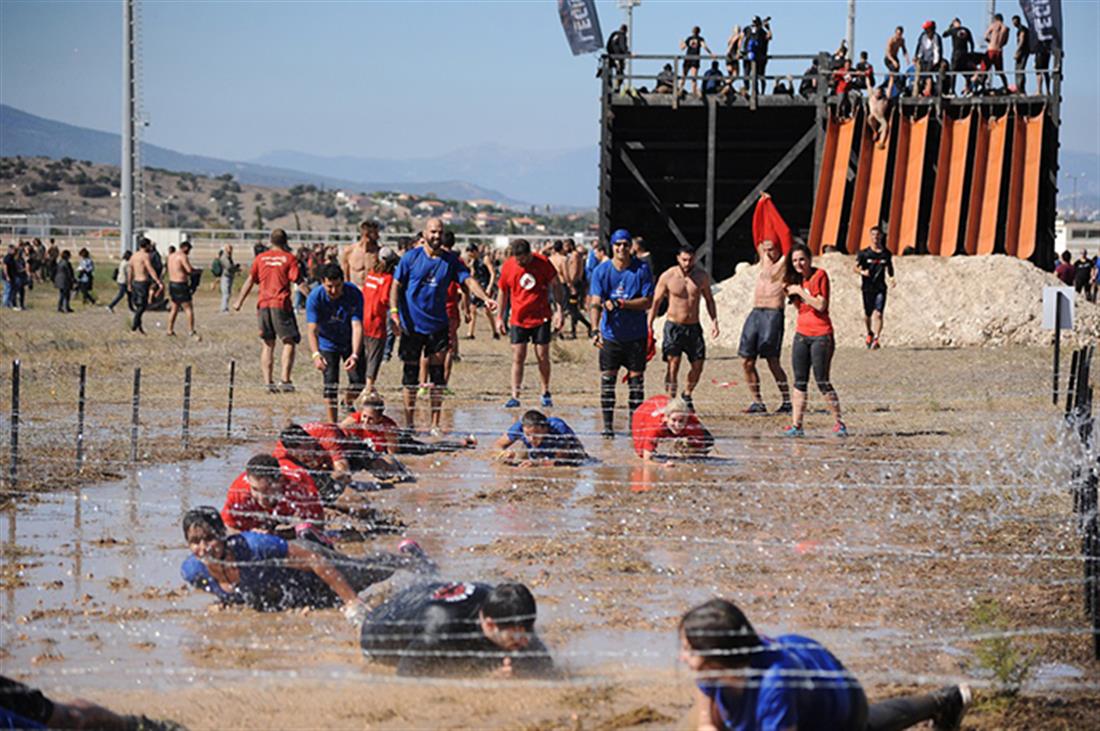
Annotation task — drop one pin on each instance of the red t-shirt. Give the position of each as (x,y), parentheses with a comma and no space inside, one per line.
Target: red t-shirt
(300,501)
(452,303)
(528,287)
(383,437)
(812,323)
(376,304)
(274,270)
(328,436)
(647,426)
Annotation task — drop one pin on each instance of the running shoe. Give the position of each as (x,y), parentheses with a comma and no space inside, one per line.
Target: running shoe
(868,340)
(840,430)
(955,700)
(286,387)
(875,345)
(756,407)
(512,403)
(272,388)
(687,400)
(784,408)
(608,434)
(409,547)
(794,431)
(547,402)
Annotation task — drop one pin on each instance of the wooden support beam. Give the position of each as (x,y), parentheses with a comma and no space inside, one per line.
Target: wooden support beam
(653,199)
(766,182)
(705,251)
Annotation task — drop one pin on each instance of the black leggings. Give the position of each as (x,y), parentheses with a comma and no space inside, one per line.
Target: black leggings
(816,351)
(899,713)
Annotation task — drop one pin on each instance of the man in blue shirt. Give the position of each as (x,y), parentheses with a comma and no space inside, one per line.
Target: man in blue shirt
(334,323)
(748,682)
(620,293)
(418,306)
(549,441)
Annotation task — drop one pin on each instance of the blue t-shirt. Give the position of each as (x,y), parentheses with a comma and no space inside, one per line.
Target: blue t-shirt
(590,263)
(559,443)
(796,683)
(265,583)
(424,280)
(608,283)
(334,317)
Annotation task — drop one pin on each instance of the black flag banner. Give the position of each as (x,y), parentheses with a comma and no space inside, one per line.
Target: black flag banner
(581,25)
(1045,19)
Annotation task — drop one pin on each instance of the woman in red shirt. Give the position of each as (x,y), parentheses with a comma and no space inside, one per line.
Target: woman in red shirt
(808,289)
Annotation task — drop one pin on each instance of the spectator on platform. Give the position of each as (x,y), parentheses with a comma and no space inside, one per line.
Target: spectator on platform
(962,45)
(754,50)
(733,54)
(1042,66)
(928,59)
(693,46)
(864,73)
(618,44)
(666,81)
(996,38)
(1023,36)
(712,79)
(807,87)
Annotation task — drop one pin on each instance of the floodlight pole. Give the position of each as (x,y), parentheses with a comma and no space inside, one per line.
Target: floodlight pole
(991,10)
(129,147)
(851,35)
(628,6)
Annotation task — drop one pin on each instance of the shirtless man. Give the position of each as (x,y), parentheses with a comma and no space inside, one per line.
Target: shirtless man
(996,38)
(574,287)
(359,258)
(893,65)
(559,259)
(762,335)
(877,106)
(140,274)
(683,285)
(179,288)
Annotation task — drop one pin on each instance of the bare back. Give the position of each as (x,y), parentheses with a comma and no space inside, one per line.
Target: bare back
(684,294)
(769,284)
(559,262)
(141,267)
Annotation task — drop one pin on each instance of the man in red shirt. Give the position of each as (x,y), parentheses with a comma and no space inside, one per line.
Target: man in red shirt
(527,279)
(376,305)
(270,498)
(275,270)
(661,418)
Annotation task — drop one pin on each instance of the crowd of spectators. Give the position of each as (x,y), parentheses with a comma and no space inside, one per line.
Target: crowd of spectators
(1082,273)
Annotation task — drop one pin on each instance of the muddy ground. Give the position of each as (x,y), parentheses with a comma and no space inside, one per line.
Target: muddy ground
(936,544)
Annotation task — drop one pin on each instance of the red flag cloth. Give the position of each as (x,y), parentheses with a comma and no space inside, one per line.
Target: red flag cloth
(768,224)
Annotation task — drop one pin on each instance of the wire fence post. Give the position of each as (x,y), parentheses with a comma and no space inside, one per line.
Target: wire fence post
(135,411)
(1057,340)
(13,472)
(186,427)
(229,408)
(80,407)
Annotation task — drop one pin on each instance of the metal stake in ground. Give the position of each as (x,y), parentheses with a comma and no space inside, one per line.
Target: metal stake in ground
(1057,340)
(13,473)
(186,428)
(136,408)
(80,418)
(229,408)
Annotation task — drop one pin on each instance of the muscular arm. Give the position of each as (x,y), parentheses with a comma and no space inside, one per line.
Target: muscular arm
(708,298)
(305,560)
(658,297)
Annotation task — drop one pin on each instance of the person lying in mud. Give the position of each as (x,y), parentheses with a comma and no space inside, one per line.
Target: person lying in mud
(370,423)
(548,441)
(464,628)
(268,573)
(27,708)
(747,681)
(672,422)
(326,454)
(268,499)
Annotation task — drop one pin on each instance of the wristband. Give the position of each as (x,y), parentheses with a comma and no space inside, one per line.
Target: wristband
(316,355)
(393,310)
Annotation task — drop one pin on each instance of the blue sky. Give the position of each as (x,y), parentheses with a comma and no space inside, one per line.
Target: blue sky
(402,79)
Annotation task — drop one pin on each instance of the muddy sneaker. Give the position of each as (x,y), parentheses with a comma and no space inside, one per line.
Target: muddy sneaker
(756,407)
(512,403)
(272,388)
(547,402)
(954,702)
(875,344)
(868,340)
(687,400)
(794,431)
(839,429)
(608,434)
(286,387)
(784,408)
(409,547)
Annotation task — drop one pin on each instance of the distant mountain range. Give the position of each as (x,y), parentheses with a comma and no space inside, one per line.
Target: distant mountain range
(519,178)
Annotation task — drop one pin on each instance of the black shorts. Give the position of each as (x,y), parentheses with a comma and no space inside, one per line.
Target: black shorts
(689,64)
(413,344)
(179,292)
(278,323)
(873,301)
(1042,60)
(762,335)
(683,340)
(538,335)
(629,355)
(373,350)
(891,64)
(333,366)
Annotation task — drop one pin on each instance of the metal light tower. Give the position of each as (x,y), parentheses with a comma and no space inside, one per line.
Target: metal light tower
(850,36)
(991,10)
(628,6)
(129,127)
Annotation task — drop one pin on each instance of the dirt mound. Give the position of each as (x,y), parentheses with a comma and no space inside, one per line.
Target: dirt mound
(938,302)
